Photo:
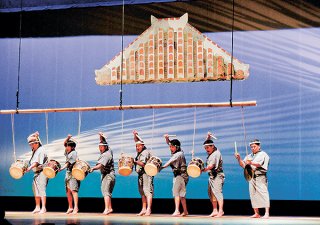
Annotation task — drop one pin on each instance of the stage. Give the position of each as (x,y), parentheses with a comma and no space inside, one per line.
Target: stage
(60,218)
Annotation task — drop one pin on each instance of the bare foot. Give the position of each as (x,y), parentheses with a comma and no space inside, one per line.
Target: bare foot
(266,216)
(255,216)
(142,212)
(75,211)
(214,213)
(220,214)
(69,211)
(107,211)
(184,214)
(36,210)
(176,213)
(148,212)
(44,210)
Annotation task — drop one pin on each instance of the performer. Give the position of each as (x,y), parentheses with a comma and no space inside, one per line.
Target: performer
(216,176)
(145,182)
(71,183)
(40,181)
(179,168)
(106,166)
(258,185)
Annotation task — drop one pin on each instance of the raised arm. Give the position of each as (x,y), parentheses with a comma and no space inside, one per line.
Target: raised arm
(136,136)
(67,139)
(166,136)
(240,161)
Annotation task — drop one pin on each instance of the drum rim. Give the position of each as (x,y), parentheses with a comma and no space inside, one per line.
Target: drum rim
(20,172)
(15,168)
(125,167)
(52,172)
(192,172)
(154,170)
(125,172)
(81,174)
(150,164)
(48,167)
(78,169)
(192,165)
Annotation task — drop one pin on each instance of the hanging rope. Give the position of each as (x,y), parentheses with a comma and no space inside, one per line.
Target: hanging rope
(122,119)
(13,139)
(244,130)
(79,123)
(121,66)
(194,130)
(47,130)
(121,74)
(153,119)
(232,70)
(19,59)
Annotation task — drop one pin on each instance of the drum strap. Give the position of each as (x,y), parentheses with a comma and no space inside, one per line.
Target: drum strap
(141,169)
(31,157)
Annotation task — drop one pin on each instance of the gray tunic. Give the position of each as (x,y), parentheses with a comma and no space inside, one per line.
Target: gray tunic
(145,182)
(258,185)
(107,173)
(71,182)
(178,165)
(40,181)
(216,176)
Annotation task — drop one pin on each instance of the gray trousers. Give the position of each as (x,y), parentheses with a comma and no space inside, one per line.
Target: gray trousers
(259,194)
(39,184)
(215,185)
(145,184)
(107,184)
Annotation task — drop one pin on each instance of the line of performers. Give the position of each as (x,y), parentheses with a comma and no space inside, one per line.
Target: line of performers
(255,166)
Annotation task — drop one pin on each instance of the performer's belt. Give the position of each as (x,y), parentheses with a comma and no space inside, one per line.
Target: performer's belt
(141,171)
(177,172)
(214,173)
(259,175)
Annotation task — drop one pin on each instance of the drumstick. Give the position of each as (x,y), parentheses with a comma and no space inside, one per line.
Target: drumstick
(235,148)
(212,136)
(138,137)
(170,135)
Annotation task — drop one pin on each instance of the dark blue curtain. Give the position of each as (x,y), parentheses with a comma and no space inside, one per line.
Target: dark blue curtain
(31,5)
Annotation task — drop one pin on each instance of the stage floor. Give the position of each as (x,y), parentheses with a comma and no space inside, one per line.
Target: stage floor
(59,218)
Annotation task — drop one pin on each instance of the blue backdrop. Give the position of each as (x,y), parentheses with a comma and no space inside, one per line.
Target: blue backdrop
(59,72)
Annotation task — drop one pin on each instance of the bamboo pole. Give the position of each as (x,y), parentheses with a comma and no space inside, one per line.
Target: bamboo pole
(128,107)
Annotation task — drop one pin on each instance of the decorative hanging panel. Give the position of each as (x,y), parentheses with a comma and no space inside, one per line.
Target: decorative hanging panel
(171,50)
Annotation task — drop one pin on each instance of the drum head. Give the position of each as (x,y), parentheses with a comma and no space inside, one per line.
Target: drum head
(151,169)
(125,171)
(16,172)
(193,171)
(248,172)
(49,172)
(78,173)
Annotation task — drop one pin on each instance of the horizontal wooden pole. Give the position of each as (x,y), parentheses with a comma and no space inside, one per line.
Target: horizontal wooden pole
(127,107)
